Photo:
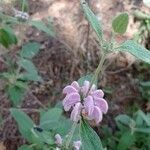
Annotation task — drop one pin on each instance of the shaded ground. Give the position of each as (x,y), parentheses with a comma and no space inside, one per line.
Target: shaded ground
(71,54)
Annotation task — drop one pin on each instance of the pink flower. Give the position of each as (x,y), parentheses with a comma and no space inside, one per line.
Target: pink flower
(58,139)
(77,145)
(85,101)
(75,114)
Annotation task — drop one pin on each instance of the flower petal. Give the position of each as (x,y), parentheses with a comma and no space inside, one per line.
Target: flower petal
(69,89)
(77,145)
(75,85)
(97,115)
(102,104)
(85,87)
(70,100)
(97,94)
(75,114)
(89,105)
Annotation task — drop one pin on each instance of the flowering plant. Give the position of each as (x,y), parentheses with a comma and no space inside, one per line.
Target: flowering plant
(86,103)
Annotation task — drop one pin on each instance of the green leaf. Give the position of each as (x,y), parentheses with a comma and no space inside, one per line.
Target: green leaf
(30,49)
(7,37)
(145,85)
(25,124)
(43,137)
(120,23)
(27,65)
(42,27)
(64,127)
(93,20)
(135,49)
(12,36)
(90,140)
(15,94)
(4,38)
(25,147)
(126,141)
(124,119)
(50,119)
(145,117)
(31,70)
(86,78)
(142,130)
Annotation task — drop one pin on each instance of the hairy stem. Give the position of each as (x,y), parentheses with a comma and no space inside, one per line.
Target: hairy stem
(70,135)
(98,70)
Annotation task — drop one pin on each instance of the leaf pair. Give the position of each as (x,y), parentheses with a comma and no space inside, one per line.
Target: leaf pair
(119,26)
(40,135)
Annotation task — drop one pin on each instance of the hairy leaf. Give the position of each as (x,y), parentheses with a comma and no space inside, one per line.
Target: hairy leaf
(120,23)
(50,119)
(31,71)
(15,94)
(30,49)
(90,140)
(136,50)
(42,27)
(24,122)
(93,20)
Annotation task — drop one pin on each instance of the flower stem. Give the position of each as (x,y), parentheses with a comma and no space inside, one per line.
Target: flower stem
(23,6)
(98,70)
(70,135)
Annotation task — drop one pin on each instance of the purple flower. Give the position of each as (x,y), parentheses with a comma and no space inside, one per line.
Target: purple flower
(86,101)
(58,139)
(77,145)
(75,114)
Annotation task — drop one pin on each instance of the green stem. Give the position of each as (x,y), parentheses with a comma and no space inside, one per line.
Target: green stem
(70,135)
(23,6)
(98,70)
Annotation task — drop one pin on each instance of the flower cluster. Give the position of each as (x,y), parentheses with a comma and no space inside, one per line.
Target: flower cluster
(84,100)
(21,15)
(59,142)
